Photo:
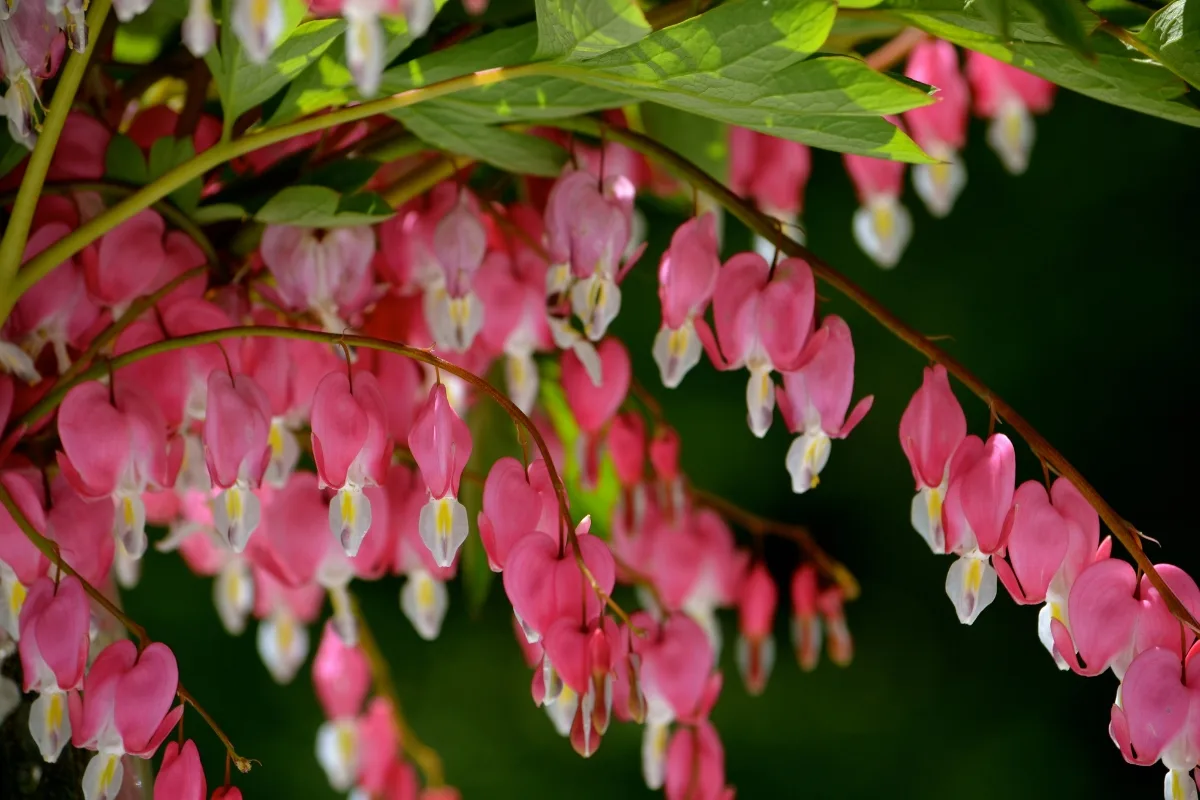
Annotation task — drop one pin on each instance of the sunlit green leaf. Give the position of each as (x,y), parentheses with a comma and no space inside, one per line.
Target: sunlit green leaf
(574,30)
(703,141)
(1174,31)
(327,81)
(514,152)
(322,207)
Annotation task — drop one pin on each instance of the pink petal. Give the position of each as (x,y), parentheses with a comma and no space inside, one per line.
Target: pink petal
(1037,542)
(786,309)
(511,508)
(756,607)
(593,405)
(237,423)
(1103,614)
(735,305)
(15,548)
(687,274)
(143,697)
(138,240)
(1155,703)
(440,443)
(932,427)
(339,428)
(935,62)
(181,776)
(341,675)
(96,439)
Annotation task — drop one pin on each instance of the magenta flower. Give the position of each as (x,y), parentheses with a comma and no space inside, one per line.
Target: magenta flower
(125,708)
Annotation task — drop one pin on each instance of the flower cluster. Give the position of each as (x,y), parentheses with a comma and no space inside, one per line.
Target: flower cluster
(288,464)
(297,419)
(1043,544)
(773,172)
(35,33)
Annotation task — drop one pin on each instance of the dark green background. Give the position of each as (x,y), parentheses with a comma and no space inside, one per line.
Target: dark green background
(1069,290)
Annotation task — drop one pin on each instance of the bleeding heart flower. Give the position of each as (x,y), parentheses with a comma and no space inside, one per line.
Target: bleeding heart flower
(941,128)
(441,445)
(352,449)
(125,708)
(882,225)
(1008,96)
(931,429)
(687,277)
(181,776)
(763,319)
(814,401)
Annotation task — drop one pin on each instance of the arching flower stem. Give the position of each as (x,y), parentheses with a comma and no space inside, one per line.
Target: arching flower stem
(1124,533)
(50,550)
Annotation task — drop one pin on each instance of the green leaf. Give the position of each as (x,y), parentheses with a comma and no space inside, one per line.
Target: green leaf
(745,63)
(124,161)
(1174,31)
(322,207)
(1062,19)
(1115,74)
(218,212)
(327,81)
(575,30)
(984,17)
(526,99)
(166,154)
(343,175)
(703,141)
(254,83)
(513,152)
(11,153)
(831,102)
(240,82)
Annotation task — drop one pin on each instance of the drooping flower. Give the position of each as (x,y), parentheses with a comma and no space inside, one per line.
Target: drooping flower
(595,404)
(181,776)
(815,399)
(441,445)
(931,429)
(978,498)
(687,276)
(325,272)
(54,647)
(125,708)
(1008,96)
(756,618)
(882,225)
(237,428)
(1158,717)
(588,227)
(352,449)
(1115,615)
(114,445)
(941,128)
(763,318)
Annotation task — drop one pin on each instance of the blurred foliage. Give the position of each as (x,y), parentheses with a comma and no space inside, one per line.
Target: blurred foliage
(1070,290)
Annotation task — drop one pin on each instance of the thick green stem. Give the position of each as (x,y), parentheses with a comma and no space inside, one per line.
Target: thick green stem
(769,229)
(75,241)
(12,247)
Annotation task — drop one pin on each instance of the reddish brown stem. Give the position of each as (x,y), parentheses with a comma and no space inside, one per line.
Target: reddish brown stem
(893,51)
(51,551)
(766,227)
(761,526)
